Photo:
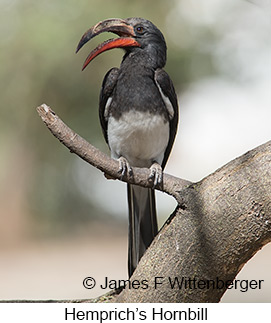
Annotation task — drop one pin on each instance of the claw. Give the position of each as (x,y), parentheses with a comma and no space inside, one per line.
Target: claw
(124,167)
(156,174)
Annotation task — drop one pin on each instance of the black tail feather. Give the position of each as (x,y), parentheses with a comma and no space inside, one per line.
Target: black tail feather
(142,222)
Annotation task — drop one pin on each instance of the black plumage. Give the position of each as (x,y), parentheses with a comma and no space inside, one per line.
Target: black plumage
(138,112)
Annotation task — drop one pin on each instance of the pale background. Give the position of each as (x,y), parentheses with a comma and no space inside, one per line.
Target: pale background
(60,219)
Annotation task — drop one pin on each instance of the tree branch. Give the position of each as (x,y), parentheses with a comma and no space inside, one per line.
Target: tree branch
(224,220)
(98,159)
(218,225)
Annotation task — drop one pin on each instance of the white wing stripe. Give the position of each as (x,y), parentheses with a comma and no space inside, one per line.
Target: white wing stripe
(108,102)
(166,101)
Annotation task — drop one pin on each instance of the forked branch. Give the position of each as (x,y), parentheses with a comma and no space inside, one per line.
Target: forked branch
(218,225)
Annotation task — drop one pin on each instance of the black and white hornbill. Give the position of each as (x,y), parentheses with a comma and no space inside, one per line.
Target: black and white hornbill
(138,112)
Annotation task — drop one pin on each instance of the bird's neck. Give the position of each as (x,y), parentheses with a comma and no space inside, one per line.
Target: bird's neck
(146,59)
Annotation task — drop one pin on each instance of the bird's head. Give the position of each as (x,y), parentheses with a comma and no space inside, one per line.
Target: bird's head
(136,34)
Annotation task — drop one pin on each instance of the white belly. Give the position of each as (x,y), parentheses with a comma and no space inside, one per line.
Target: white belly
(140,137)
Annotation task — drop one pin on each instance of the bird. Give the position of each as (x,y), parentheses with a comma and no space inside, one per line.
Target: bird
(138,112)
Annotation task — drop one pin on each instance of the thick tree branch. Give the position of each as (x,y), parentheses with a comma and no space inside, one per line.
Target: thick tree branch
(218,225)
(224,220)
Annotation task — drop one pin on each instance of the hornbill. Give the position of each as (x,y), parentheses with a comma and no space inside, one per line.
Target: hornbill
(138,112)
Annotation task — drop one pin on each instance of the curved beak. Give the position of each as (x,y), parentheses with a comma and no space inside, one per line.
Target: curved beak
(116,26)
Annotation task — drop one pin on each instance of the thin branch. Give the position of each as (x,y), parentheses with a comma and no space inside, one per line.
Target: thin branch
(78,145)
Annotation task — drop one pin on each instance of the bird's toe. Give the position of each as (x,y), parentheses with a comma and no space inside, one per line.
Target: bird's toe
(156,174)
(124,167)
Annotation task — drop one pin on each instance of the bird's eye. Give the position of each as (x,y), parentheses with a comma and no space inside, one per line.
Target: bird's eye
(140,29)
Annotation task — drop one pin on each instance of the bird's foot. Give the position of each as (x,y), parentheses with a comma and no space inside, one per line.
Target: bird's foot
(156,174)
(124,167)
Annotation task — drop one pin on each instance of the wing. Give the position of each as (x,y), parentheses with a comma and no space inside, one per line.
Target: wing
(169,96)
(108,85)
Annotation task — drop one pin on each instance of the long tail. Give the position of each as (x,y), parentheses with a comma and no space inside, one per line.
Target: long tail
(142,222)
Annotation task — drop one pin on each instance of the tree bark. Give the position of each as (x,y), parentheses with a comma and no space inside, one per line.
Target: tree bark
(218,225)
(221,222)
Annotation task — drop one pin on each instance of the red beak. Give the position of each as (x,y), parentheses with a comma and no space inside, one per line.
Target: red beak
(117,26)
